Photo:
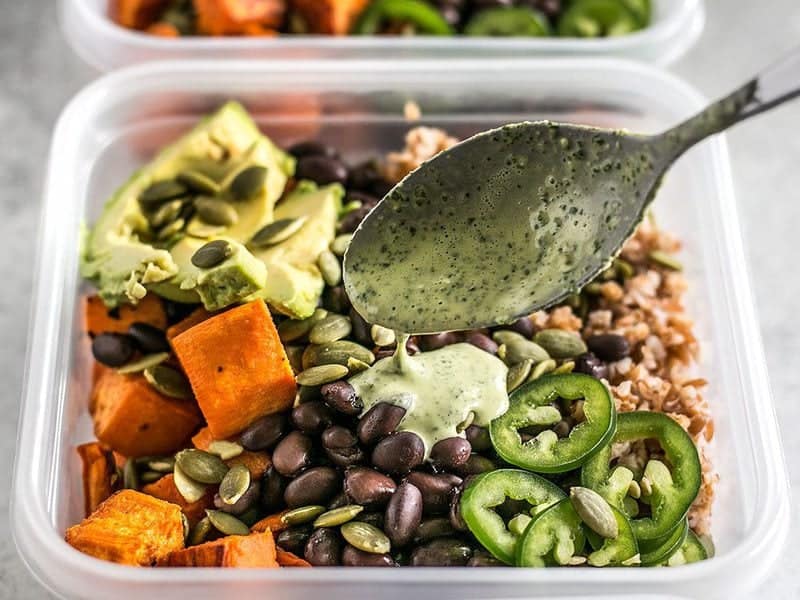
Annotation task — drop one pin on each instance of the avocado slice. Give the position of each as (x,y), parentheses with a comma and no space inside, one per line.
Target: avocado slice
(294,283)
(116,255)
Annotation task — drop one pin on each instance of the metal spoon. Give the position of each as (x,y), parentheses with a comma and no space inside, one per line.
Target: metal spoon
(518,218)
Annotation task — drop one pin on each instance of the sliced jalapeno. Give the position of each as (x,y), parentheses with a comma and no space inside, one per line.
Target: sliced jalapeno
(597,18)
(488,491)
(534,405)
(692,550)
(552,538)
(641,9)
(613,552)
(673,489)
(654,552)
(508,22)
(425,19)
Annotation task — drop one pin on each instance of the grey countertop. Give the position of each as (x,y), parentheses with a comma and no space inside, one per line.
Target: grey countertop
(39,73)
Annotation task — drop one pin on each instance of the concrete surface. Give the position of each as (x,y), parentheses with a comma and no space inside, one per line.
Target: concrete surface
(39,73)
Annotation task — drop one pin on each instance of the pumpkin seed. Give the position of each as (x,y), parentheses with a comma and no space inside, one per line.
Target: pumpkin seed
(303,514)
(147,361)
(165,214)
(338,516)
(150,476)
(321,375)
(201,466)
(168,381)
(559,343)
(565,367)
(293,329)
(330,267)
(215,211)
(365,537)
(191,490)
(519,523)
(248,182)
(335,353)
(277,232)
(382,336)
(224,449)
(295,356)
(164,464)
(593,510)
(340,243)
(198,182)
(161,191)
(234,484)
(331,328)
(211,254)
(130,476)
(172,229)
(356,366)
(199,532)
(666,260)
(200,229)
(541,368)
(518,347)
(517,374)
(226,523)
(624,269)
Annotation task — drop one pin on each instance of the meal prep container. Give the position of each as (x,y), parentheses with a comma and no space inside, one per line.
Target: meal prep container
(121,120)
(107,46)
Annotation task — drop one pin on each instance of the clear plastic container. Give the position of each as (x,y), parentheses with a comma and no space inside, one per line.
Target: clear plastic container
(118,122)
(107,46)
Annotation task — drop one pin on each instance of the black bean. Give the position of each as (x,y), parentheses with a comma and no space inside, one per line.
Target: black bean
(322,170)
(483,559)
(478,438)
(337,436)
(433,528)
(338,501)
(112,349)
(341,396)
(403,514)
(353,557)
(477,464)
(609,346)
(314,486)
(353,219)
(148,339)
(379,421)
(589,364)
(398,453)
(272,488)
(437,340)
(335,299)
(294,539)
(264,433)
(312,417)
(484,4)
(243,504)
(551,8)
(482,341)
(442,552)
(364,175)
(367,486)
(450,453)
(324,548)
(437,490)
(312,148)
(346,457)
(455,518)
(375,519)
(292,454)
(361,329)
(177,311)
(523,326)
(450,13)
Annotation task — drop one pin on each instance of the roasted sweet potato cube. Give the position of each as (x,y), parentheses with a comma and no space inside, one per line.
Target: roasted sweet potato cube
(237,367)
(98,318)
(134,419)
(232,17)
(254,550)
(333,17)
(99,474)
(164,489)
(130,528)
(273,523)
(287,559)
(136,14)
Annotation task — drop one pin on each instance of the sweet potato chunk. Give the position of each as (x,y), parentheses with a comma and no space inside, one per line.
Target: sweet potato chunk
(195,317)
(163,29)
(134,419)
(287,559)
(99,319)
(333,17)
(164,489)
(234,17)
(130,528)
(237,367)
(99,474)
(271,523)
(135,14)
(254,550)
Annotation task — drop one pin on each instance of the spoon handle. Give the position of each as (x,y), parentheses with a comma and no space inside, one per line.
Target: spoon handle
(775,85)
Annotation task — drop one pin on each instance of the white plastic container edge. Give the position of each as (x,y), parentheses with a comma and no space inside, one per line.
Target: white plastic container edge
(107,46)
(755,520)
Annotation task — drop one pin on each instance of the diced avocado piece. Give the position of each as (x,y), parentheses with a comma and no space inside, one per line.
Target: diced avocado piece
(294,283)
(116,254)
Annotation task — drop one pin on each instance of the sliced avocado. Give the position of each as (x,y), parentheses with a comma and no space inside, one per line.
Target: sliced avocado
(116,255)
(294,283)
